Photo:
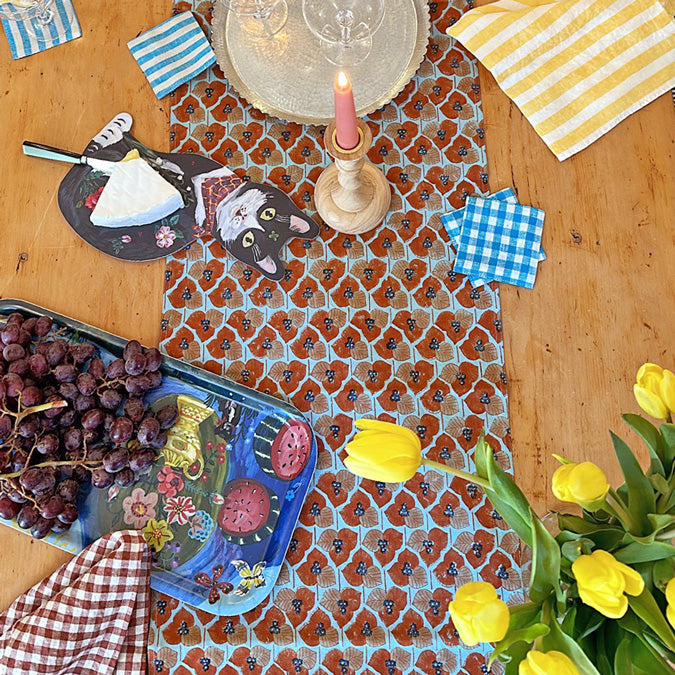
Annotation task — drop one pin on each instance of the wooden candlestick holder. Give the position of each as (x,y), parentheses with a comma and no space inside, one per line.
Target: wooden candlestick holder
(352,195)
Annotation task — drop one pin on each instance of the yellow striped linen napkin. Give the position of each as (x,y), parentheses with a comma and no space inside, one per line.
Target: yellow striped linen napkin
(575,68)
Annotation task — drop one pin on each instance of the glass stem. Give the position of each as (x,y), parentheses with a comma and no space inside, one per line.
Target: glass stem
(45,15)
(465,475)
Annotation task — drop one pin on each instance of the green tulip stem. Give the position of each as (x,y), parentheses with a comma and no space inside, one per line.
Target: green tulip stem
(469,477)
(619,509)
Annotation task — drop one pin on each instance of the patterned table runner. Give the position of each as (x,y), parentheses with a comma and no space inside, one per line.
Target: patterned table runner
(374,325)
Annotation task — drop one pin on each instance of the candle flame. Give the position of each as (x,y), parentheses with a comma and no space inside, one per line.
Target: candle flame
(342,80)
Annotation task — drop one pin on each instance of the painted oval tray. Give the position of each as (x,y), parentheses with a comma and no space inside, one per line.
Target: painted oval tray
(224,496)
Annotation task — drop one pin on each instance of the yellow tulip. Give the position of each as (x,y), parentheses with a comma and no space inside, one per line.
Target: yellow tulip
(478,614)
(654,390)
(384,452)
(670,599)
(603,583)
(547,663)
(584,484)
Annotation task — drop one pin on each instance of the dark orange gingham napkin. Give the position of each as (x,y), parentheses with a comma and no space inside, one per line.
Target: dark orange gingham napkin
(88,617)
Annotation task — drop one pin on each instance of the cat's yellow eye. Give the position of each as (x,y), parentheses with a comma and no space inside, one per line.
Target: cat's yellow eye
(248,240)
(268,213)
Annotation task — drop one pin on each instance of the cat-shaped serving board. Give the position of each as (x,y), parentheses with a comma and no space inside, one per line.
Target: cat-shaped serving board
(255,222)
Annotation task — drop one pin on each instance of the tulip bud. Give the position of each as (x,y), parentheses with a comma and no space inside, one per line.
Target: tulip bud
(547,663)
(603,581)
(478,614)
(584,484)
(670,599)
(654,390)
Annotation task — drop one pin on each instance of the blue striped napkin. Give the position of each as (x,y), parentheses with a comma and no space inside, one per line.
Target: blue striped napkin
(500,241)
(172,53)
(28,37)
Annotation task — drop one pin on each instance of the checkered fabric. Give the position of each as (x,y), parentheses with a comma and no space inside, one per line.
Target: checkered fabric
(90,617)
(500,241)
(172,53)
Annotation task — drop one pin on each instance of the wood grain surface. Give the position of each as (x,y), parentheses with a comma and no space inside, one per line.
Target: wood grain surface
(602,304)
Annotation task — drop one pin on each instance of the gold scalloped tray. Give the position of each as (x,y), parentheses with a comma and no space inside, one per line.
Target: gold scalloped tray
(286,77)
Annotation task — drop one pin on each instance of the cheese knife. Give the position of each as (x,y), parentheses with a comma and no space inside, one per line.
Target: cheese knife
(48,152)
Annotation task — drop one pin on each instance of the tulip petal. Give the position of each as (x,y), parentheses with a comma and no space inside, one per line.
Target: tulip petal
(667,390)
(670,615)
(647,369)
(634,582)
(377,425)
(384,473)
(368,451)
(670,592)
(650,402)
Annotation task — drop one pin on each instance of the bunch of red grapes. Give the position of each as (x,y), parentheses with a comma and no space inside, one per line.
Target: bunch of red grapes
(67,419)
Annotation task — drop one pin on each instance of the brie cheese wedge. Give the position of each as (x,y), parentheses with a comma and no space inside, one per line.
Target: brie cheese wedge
(135,194)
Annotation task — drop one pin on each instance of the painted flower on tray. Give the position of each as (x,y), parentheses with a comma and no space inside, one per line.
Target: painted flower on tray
(90,201)
(169,482)
(179,509)
(157,533)
(139,508)
(165,237)
(201,526)
(126,238)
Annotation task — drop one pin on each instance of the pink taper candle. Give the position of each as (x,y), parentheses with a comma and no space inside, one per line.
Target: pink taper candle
(347,135)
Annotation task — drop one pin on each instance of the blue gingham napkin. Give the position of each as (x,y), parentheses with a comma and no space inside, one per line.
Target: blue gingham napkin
(24,40)
(500,240)
(172,53)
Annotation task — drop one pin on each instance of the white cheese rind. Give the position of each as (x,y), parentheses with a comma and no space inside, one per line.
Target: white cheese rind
(135,194)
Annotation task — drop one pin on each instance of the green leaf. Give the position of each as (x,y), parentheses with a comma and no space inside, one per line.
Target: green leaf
(561,642)
(480,455)
(577,525)
(659,483)
(662,572)
(623,659)
(573,549)
(527,635)
(644,656)
(652,438)
(545,577)
(641,500)
(660,521)
(513,656)
(636,552)
(523,615)
(644,605)
(668,433)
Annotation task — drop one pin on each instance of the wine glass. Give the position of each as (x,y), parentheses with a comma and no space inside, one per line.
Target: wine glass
(344,27)
(260,18)
(37,17)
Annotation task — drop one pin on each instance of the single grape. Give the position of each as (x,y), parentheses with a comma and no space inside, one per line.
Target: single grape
(86,383)
(148,430)
(8,508)
(28,426)
(134,409)
(155,379)
(60,526)
(132,347)
(100,478)
(27,517)
(125,477)
(93,419)
(31,396)
(67,419)
(43,325)
(10,333)
(51,507)
(116,460)
(81,353)
(56,352)
(41,528)
(68,489)
(20,367)
(84,403)
(25,338)
(29,325)
(48,391)
(37,364)
(47,443)
(135,364)
(142,460)
(13,384)
(17,497)
(15,317)
(167,416)
(110,399)
(65,372)
(13,352)
(137,384)
(115,369)
(54,412)
(153,359)
(96,369)
(6,427)
(72,438)
(69,391)
(96,453)
(19,459)
(68,514)
(121,430)
(160,441)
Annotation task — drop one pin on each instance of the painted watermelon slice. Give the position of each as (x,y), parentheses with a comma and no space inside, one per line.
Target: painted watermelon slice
(249,512)
(282,450)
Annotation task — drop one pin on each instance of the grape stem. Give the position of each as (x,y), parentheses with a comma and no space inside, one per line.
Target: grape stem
(20,414)
(87,464)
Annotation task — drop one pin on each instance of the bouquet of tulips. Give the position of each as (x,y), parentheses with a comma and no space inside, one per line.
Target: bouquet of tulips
(602,590)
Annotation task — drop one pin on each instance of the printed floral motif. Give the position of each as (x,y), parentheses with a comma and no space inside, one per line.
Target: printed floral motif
(92,199)
(157,533)
(212,583)
(201,526)
(169,482)
(139,508)
(165,236)
(179,510)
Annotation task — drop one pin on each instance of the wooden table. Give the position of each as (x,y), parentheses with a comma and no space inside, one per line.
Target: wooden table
(602,305)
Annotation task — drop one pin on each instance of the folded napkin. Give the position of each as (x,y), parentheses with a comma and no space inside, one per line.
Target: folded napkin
(26,39)
(90,617)
(172,53)
(500,241)
(575,68)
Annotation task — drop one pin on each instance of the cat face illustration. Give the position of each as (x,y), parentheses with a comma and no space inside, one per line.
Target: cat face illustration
(256,222)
